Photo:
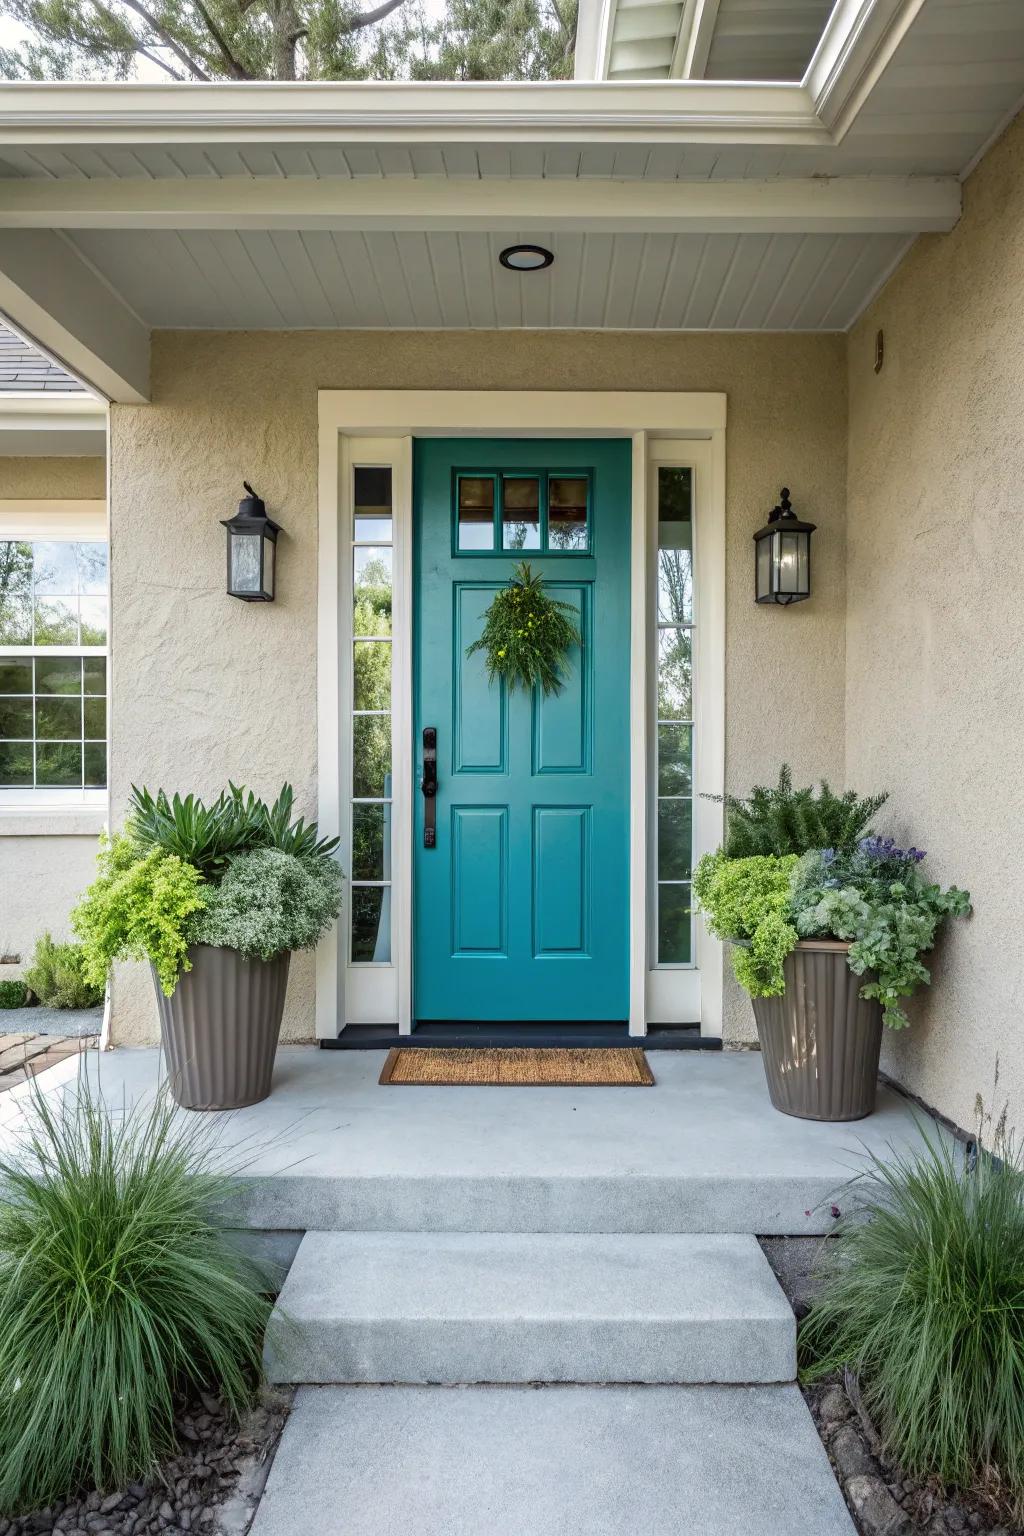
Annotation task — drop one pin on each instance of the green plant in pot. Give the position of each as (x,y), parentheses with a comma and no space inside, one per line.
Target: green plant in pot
(216,897)
(830,924)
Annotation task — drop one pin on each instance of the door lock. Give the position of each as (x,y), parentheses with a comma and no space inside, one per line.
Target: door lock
(428,784)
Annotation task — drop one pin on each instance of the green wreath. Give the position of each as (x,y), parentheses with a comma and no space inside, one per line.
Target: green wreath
(527,634)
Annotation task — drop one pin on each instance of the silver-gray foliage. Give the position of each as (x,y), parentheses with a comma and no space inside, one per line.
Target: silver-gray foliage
(268,902)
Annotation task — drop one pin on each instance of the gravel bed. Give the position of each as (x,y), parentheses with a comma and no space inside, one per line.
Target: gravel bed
(882,1500)
(212,1486)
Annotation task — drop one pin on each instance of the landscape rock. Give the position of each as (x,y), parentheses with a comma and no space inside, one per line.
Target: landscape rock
(851,1456)
(876,1510)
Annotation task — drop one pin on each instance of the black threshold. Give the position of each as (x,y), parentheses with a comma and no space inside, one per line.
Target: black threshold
(464,1034)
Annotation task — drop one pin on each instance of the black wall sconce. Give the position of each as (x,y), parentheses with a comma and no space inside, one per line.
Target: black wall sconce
(782,562)
(252,550)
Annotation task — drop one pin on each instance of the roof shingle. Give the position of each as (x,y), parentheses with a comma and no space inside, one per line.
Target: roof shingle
(24,370)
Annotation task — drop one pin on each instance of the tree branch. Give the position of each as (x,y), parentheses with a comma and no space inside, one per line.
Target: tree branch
(368,18)
(238,70)
(168,38)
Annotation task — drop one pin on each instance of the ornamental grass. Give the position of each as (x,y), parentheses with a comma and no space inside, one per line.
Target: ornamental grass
(925,1303)
(119,1294)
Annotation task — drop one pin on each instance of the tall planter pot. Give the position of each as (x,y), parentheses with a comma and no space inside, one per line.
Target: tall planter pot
(220,1028)
(821,1040)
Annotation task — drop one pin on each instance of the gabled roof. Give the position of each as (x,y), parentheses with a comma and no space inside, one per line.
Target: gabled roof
(25,370)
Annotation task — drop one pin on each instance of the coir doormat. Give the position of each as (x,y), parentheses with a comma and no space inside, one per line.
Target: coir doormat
(505,1067)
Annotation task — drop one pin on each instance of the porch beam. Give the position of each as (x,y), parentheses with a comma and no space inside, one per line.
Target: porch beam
(884,205)
(53,297)
(696,33)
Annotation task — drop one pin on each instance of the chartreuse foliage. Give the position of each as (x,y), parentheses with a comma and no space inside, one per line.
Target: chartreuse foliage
(57,976)
(118,1291)
(924,1300)
(138,908)
(779,819)
(527,634)
(748,901)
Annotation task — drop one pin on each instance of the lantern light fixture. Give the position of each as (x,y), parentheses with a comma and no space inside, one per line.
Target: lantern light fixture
(252,550)
(782,562)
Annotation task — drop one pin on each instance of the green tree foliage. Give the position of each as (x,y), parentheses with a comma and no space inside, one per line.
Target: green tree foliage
(923,1300)
(290,40)
(780,819)
(119,1290)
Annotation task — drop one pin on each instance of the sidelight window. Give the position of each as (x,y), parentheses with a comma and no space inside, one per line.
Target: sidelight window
(674,716)
(372,800)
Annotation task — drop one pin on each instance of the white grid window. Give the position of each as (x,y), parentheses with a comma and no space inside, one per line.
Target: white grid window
(371,805)
(674,717)
(53,666)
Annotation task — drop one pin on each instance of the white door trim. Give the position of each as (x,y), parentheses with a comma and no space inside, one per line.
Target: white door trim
(402,415)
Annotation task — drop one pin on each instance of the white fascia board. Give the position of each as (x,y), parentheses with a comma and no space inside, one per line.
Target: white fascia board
(859,41)
(818,205)
(492,112)
(593,39)
(56,299)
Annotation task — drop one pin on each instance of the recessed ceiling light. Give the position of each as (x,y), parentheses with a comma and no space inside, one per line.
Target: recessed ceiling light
(525,258)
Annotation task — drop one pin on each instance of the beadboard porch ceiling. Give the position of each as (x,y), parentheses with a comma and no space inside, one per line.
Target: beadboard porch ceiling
(670,202)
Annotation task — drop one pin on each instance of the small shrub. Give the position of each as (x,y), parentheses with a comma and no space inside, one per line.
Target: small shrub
(778,819)
(13,993)
(118,1291)
(138,908)
(57,976)
(925,1302)
(268,902)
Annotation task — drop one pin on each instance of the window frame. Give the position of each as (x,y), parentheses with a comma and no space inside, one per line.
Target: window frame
(498,474)
(58,521)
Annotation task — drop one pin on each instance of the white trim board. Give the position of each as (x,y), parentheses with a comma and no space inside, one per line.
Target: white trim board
(690,426)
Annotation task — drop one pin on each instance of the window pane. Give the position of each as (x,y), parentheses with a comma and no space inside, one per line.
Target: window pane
(371,757)
(15,674)
(95,672)
(674,925)
(371,591)
(372,486)
(95,765)
(674,839)
(15,764)
(245,562)
(371,666)
(55,568)
(520,513)
(16,718)
(59,719)
(95,714)
(567,514)
(371,924)
(59,762)
(91,560)
(675,768)
(56,621)
(15,593)
(675,546)
(675,682)
(59,674)
(476,512)
(94,620)
(371,842)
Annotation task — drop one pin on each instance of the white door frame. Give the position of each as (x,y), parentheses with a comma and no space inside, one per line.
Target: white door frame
(662,426)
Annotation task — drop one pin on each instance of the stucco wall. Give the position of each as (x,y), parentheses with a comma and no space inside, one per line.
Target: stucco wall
(73,479)
(42,875)
(935,639)
(209,688)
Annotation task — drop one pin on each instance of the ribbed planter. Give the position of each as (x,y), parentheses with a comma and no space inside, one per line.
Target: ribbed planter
(220,1028)
(821,1040)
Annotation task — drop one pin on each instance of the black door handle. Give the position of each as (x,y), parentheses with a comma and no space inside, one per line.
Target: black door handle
(428,784)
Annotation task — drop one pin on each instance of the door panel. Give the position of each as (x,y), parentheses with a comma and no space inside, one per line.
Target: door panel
(521,906)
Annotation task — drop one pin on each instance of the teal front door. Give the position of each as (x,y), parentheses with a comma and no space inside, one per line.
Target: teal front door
(521,904)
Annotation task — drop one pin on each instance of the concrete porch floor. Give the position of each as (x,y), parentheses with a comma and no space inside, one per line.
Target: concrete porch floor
(702,1151)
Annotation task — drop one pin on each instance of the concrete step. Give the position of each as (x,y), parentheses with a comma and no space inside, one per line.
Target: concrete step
(456,1308)
(551,1461)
